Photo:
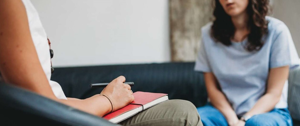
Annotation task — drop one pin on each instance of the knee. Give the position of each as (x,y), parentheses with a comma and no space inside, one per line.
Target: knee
(182,106)
(211,116)
(187,110)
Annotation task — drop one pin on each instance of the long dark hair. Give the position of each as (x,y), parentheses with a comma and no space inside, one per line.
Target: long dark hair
(223,29)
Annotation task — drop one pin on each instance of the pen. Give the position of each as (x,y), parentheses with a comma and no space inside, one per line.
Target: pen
(105,84)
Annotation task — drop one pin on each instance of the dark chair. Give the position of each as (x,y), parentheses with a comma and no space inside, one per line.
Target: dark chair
(179,80)
(22,107)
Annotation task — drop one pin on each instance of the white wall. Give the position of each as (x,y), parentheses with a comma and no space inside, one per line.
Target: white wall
(93,32)
(288,11)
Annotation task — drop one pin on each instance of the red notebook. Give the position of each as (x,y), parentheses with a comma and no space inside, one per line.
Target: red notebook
(142,101)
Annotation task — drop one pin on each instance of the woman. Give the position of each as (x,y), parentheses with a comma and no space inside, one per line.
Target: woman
(25,62)
(246,57)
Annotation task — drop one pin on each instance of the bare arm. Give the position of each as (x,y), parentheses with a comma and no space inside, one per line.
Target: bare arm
(276,81)
(218,99)
(19,64)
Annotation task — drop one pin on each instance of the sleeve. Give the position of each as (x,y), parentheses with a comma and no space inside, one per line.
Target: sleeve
(202,63)
(283,51)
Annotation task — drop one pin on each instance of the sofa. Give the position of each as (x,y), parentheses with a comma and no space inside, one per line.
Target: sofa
(178,80)
(20,107)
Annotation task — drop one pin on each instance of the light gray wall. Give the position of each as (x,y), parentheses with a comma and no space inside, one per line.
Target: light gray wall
(93,32)
(288,11)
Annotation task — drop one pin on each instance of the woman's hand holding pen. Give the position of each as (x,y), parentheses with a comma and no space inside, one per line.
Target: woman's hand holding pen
(118,93)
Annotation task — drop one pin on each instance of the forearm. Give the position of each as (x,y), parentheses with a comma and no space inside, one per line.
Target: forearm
(276,81)
(220,102)
(218,99)
(20,64)
(96,105)
(265,104)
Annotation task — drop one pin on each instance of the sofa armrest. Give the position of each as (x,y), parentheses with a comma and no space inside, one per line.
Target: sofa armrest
(22,107)
(293,94)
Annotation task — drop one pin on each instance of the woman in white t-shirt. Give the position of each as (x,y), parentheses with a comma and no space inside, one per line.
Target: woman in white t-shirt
(25,62)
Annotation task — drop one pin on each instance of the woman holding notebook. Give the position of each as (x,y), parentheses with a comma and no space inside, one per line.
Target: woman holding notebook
(246,57)
(28,65)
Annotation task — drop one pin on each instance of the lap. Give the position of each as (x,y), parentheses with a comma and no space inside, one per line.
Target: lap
(169,113)
(211,116)
(276,117)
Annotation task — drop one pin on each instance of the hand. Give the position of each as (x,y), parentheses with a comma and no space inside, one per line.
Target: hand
(119,93)
(240,123)
(233,120)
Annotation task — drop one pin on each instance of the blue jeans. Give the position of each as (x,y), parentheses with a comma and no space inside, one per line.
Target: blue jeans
(211,116)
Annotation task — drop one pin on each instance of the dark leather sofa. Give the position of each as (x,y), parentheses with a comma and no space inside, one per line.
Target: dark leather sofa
(179,80)
(19,107)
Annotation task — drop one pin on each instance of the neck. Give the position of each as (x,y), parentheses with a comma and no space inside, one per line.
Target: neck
(240,21)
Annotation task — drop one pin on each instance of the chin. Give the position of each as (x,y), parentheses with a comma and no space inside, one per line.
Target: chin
(233,13)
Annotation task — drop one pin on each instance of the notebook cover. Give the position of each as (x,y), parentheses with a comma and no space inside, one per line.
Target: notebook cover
(121,111)
(139,98)
(146,97)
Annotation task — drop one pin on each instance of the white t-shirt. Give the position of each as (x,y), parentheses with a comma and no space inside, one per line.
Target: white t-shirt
(39,38)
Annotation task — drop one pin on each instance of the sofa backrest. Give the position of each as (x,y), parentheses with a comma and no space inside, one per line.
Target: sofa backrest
(178,80)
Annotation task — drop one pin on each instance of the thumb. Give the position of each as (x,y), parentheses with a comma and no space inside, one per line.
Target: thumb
(120,79)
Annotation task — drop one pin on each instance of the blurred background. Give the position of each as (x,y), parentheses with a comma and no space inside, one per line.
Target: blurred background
(95,41)
(101,32)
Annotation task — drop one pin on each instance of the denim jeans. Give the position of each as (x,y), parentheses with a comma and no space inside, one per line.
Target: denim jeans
(211,116)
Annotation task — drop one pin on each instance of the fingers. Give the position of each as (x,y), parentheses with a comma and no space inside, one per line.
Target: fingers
(130,92)
(127,86)
(120,79)
(131,98)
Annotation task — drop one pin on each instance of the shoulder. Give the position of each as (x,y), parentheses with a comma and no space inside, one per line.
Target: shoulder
(276,26)
(205,31)
(206,28)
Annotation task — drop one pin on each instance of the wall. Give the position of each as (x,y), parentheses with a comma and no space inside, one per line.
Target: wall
(97,32)
(288,11)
